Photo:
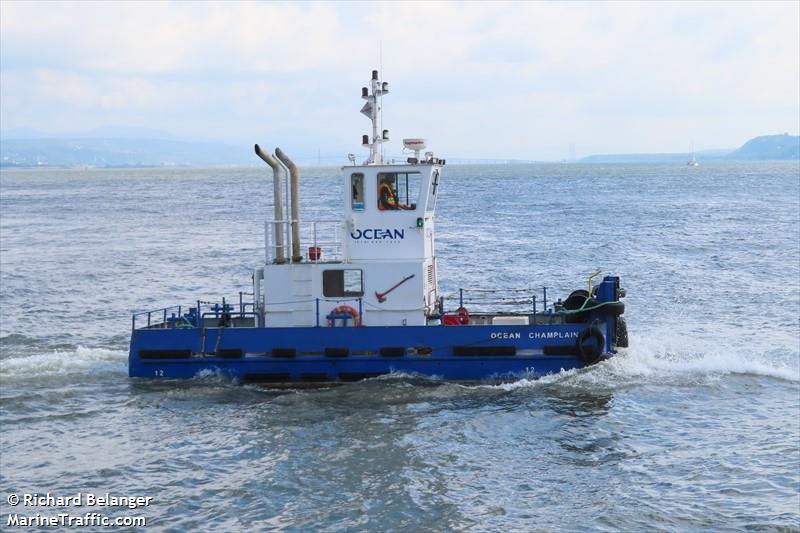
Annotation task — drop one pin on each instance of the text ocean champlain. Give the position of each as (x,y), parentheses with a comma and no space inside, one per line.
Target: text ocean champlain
(535,335)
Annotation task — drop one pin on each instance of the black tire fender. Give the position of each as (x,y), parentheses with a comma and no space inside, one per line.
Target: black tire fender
(621,340)
(576,300)
(590,344)
(579,292)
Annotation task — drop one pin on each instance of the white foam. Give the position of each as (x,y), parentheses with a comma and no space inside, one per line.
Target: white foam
(704,354)
(664,357)
(82,360)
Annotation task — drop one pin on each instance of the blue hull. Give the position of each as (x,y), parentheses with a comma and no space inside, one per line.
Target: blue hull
(322,354)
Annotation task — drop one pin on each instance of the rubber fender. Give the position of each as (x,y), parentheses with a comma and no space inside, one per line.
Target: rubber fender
(165,354)
(579,292)
(314,377)
(267,378)
(478,351)
(284,352)
(358,376)
(392,351)
(590,344)
(560,349)
(337,352)
(575,301)
(621,334)
(230,353)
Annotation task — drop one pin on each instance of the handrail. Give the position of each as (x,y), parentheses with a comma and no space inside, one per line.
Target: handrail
(158,310)
(174,313)
(150,314)
(334,246)
(232,315)
(504,297)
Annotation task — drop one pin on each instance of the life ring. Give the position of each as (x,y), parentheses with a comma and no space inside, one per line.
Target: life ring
(590,345)
(343,310)
(463,316)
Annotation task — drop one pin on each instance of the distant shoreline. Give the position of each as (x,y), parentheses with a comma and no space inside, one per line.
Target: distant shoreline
(152,153)
(674,164)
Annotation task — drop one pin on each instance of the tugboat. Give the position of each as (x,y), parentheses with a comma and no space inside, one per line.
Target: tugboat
(364,301)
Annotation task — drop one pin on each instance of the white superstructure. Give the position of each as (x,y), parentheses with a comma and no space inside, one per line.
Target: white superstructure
(378,259)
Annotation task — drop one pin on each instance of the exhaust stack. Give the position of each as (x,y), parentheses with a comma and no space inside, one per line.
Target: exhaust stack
(276,181)
(295,186)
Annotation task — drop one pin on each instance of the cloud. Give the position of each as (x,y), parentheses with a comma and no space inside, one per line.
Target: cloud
(531,77)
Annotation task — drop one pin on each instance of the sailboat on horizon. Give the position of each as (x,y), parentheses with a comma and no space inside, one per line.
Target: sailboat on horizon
(693,162)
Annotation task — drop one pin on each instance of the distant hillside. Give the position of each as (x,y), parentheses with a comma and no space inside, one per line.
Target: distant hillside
(769,147)
(703,155)
(100,152)
(31,151)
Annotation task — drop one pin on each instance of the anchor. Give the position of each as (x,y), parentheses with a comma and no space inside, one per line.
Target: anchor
(382,296)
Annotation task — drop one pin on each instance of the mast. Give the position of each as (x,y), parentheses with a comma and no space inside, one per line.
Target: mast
(372,110)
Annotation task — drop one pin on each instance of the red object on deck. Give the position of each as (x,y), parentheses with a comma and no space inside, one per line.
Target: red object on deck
(450,320)
(459,319)
(314,253)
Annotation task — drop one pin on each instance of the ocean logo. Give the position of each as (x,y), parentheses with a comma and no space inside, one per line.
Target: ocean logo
(378,234)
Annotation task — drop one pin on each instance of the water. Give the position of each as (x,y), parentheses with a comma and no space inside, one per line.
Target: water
(695,427)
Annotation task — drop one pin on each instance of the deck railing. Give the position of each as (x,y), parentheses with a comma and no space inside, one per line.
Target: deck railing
(531,300)
(323,238)
(173,317)
(511,301)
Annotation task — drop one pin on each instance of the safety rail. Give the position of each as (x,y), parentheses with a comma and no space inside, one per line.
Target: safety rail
(520,300)
(228,319)
(323,249)
(319,250)
(155,313)
(358,318)
(173,317)
(271,228)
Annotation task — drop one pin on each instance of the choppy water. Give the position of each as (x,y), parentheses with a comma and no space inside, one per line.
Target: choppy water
(695,427)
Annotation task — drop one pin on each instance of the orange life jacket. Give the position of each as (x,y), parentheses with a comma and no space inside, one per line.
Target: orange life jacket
(391,201)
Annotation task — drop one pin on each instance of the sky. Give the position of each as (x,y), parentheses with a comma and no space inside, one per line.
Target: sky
(520,80)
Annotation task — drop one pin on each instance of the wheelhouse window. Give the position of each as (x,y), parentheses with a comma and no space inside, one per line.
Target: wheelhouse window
(338,283)
(357,192)
(398,190)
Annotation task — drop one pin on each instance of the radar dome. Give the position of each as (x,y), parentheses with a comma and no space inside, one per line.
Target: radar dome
(414,144)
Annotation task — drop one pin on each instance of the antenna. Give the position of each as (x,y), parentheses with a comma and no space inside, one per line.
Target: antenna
(380,66)
(372,110)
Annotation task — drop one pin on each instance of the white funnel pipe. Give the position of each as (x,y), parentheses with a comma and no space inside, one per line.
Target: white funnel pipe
(295,181)
(277,172)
